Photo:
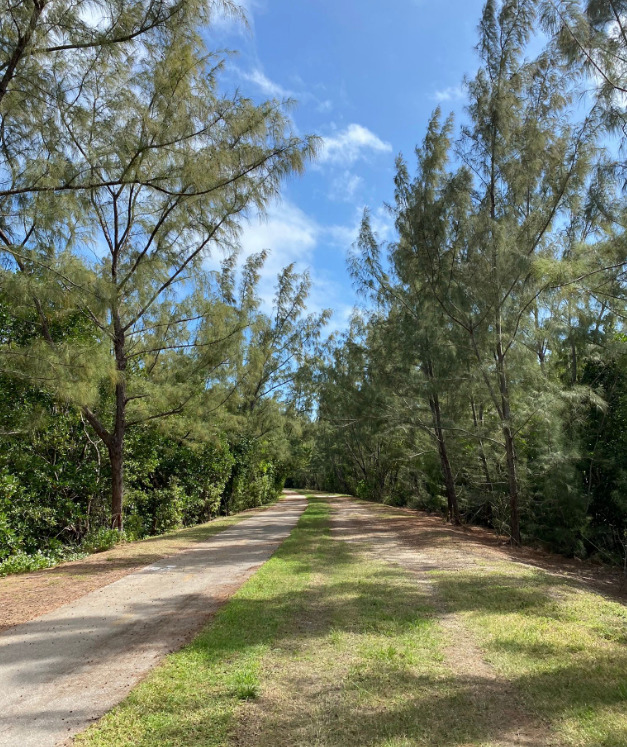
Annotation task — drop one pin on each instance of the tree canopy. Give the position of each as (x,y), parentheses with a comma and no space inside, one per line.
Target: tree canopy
(147,382)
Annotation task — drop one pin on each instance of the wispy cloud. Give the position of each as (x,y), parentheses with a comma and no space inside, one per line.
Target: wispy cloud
(381,222)
(345,186)
(452,93)
(350,145)
(292,236)
(268,87)
(288,232)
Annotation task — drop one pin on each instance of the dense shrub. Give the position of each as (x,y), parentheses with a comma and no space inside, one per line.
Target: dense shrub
(21,562)
(54,482)
(101,539)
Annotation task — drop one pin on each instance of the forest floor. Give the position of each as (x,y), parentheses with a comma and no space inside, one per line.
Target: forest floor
(25,596)
(379,626)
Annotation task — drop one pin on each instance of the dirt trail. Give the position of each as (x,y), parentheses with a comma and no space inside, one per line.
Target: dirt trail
(422,532)
(66,668)
(429,551)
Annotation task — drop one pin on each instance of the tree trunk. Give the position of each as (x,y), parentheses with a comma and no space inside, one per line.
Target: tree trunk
(505,412)
(447,472)
(512,480)
(449,482)
(117,485)
(478,421)
(21,47)
(510,449)
(116,444)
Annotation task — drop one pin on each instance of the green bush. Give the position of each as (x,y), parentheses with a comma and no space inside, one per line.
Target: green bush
(101,539)
(55,481)
(22,562)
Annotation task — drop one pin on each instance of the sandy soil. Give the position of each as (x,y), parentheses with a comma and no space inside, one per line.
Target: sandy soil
(419,544)
(419,530)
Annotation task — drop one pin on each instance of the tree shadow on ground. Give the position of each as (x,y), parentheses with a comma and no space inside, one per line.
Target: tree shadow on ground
(356,658)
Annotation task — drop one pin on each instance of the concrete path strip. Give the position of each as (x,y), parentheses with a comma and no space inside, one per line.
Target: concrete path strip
(65,669)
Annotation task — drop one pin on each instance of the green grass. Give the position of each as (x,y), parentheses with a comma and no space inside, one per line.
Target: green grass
(325,646)
(563,647)
(191,699)
(333,648)
(362,664)
(321,647)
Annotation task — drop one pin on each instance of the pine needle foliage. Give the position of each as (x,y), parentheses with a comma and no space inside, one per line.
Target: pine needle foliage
(124,189)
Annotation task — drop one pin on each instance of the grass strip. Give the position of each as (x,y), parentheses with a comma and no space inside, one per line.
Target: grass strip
(192,697)
(326,646)
(323,646)
(564,647)
(361,663)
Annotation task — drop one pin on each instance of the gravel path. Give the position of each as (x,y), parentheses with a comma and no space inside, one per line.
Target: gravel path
(63,670)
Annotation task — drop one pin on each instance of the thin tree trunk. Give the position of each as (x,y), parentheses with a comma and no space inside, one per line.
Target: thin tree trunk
(477,420)
(512,480)
(117,485)
(510,449)
(449,481)
(447,472)
(505,412)
(116,445)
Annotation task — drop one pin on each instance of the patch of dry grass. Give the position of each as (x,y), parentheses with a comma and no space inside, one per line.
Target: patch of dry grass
(365,661)
(324,646)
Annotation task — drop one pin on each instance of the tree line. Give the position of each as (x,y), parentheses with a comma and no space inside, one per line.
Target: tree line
(485,374)
(145,381)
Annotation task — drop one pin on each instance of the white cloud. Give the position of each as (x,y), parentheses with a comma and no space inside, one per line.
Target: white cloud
(93,16)
(350,145)
(381,222)
(325,106)
(345,186)
(265,85)
(452,93)
(271,88)
(290,235)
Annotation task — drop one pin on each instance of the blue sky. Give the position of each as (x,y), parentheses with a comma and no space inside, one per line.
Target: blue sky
(366,76)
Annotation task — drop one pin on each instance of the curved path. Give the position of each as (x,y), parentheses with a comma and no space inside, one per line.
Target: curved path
(61,671)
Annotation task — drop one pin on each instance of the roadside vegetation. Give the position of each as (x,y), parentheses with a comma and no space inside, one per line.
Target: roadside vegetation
(150,385)
(122,548)
(149,382)
(485,376)
(145,383)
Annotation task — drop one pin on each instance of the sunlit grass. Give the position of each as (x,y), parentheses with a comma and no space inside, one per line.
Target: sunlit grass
(191,698)
(563,647)
(326,646)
